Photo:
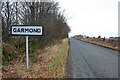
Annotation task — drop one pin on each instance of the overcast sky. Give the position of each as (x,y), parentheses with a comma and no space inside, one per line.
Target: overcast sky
(92,17)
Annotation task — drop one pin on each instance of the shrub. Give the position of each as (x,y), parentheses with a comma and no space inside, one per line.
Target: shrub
(99,36)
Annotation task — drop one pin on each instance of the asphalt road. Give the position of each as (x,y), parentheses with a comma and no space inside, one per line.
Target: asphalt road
(87,60)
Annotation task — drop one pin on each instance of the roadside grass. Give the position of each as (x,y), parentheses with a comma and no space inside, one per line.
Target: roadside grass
(100,44)
(48,62)
(56,66)
(58,63)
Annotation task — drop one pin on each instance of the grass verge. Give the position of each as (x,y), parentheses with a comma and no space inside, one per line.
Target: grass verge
(100,44)
(58,63)
(48,62)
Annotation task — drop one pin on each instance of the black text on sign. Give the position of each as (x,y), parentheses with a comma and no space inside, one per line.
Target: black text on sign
(26,30)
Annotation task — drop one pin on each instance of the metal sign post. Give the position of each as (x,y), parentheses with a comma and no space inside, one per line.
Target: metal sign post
(27,66)
(22,30)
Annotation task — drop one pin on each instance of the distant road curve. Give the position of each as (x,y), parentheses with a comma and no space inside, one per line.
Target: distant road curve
(87,60)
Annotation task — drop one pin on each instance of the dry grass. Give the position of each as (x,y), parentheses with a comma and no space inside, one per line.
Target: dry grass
(51,63)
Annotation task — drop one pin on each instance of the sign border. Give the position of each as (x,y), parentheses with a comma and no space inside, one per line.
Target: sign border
(25,35)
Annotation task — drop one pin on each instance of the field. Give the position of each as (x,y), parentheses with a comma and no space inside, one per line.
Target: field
(108,43)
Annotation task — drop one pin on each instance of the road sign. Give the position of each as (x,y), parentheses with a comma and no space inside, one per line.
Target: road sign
(26,30)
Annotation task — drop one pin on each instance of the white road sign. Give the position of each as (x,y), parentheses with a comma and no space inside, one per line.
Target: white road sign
(26,30)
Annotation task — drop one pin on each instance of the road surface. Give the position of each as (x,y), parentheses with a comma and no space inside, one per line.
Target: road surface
(87,60)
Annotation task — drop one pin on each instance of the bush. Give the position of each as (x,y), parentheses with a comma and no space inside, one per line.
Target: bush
(99,36)
(104,39)
(6,56)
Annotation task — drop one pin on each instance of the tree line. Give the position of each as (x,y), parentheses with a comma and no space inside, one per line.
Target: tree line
(47,14)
